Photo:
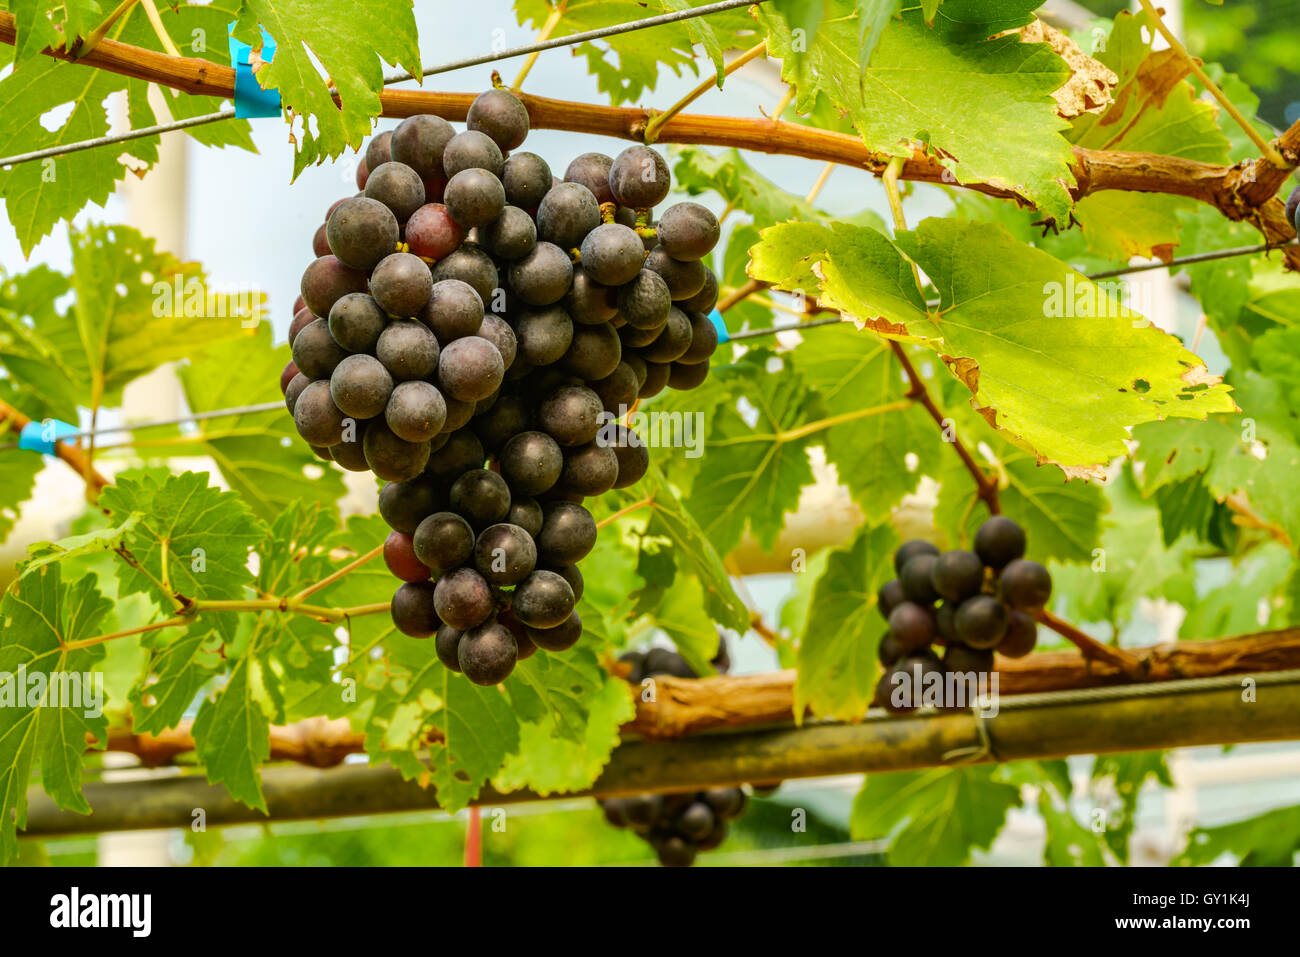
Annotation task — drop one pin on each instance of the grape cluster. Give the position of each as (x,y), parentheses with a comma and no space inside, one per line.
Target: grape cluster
(676,826)
(974,602)
(1293,207)
(470,331)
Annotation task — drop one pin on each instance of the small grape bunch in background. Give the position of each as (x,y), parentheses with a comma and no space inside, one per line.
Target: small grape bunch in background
(677,826)
(973,602)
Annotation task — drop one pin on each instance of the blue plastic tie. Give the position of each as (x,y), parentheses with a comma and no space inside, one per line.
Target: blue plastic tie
(35,435)
(720,325)
(251,101)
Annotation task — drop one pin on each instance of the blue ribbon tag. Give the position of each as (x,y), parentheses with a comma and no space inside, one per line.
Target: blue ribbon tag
(251,101)
(718,323)
(42,436)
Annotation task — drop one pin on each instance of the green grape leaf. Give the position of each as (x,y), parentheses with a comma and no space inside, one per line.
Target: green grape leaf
(555,690)
(1015,143)
(628,65)
(742,187)
(1062,517)
(250,448)
(1255,454)
(46,710)
(1124,775)
(75,546)
(855,373)
(1010,312)
(692,550)
(40,193)
(203,534)
(836,655)
(549,763)
(935,818)
(17,479)
(479,730)
(858,271)
(232,735)
(350,42)
(181,663)
(681,614)
(44,361)
(1271,839)
(1251,601)
(41,23)
(753,470)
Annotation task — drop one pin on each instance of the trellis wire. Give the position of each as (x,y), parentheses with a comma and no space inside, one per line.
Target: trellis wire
(448,67)
(180,420)
(576,38)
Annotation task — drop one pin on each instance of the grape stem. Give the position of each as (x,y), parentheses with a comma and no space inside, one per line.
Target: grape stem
(335,576)
(648,500)
(155,21)
(1130,664)
(656,122)
(544,34)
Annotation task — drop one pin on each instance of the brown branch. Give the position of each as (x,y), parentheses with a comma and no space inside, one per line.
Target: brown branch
(1245,191)
(986,486)
(75,457)
(1092,649)
(687,706)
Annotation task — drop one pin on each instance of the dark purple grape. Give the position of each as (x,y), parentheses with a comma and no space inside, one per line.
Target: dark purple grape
(416,411)
(487,653)
(356,322)
(431,233)
(957,575)
(502,116)
(594,353)
(326,281)
(403,505)
(981,622)
(889,650)
(687,231)
(443,541)
(612,254)
(315,352)
(999,541)
(683,377)
(890,597)
(911,549)
(481,497)
(401,284)
(380,150)
(617,390)
(912,626)
(454,310)
(592,171)
(400,558)
(963,659)
(673,341)
(544,335)
(470,368)
(498,332)
(639,178)
(1022,634)
(633,456)
(419,141)
(391,458)
(527,178)
(527,514)
(1025,584)
(413,610)
(562,637)
(566,214)
(360,386)
(543,276)
(317,418)
(531,463)
(589,469)
(568,534)
(294,389)
(918,585)
(510,236)
(471,265)
(408,350)
(571,415)
(462,452)
(474,197)
(644,302)
(361,232)
(398,187)
(543,600)
(587,301)
(684,279)
(706,298)
(472,149)
(657,375)
(446,646)
(704,340)
(463,599)
(504,554)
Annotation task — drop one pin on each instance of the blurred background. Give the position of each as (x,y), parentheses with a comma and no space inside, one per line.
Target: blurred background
(186,204)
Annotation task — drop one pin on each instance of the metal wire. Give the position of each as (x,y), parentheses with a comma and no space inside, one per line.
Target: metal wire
(229,112)
(226,114)
(576,38)
(180,420)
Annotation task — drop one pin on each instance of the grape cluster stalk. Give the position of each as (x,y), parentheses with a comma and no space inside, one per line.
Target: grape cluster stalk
(677,826)
(471,331)
(974,602)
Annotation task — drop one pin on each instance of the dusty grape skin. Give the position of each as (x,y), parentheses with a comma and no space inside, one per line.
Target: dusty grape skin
(561,637)
(508,545)
(639,177)
(592,171)
(431,233)
(326,281)
(360,386)
(315,352)
(687,231)
(463,599)
(398,187)
(544,335)
(403,505)
(419,142)
(999,541)
(474,197)
(356,322)
(470,265)
(408,350)
(587,301)
(470,368)
(612,254)
(454,309)
(684,377)
(361,232)
(531,463)
(568,534)
(644,301)
(472,149)
(543,600)
(401,284)
(685,279)
(316,417)
(566,214)
(415,411)
(443,541)
(526,179)
(501,116)
(543,276)
(594,353)
(412,610)
(393,458)
(487,653)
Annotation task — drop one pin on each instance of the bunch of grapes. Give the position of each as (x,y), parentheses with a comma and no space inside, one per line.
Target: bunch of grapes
(974,602)
(676,826)
(471,331)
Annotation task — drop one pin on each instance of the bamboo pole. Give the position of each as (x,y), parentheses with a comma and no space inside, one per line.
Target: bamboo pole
(1132,718)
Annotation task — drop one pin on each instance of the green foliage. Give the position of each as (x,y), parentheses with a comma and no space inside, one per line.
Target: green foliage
(351,42)
(1271,839)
